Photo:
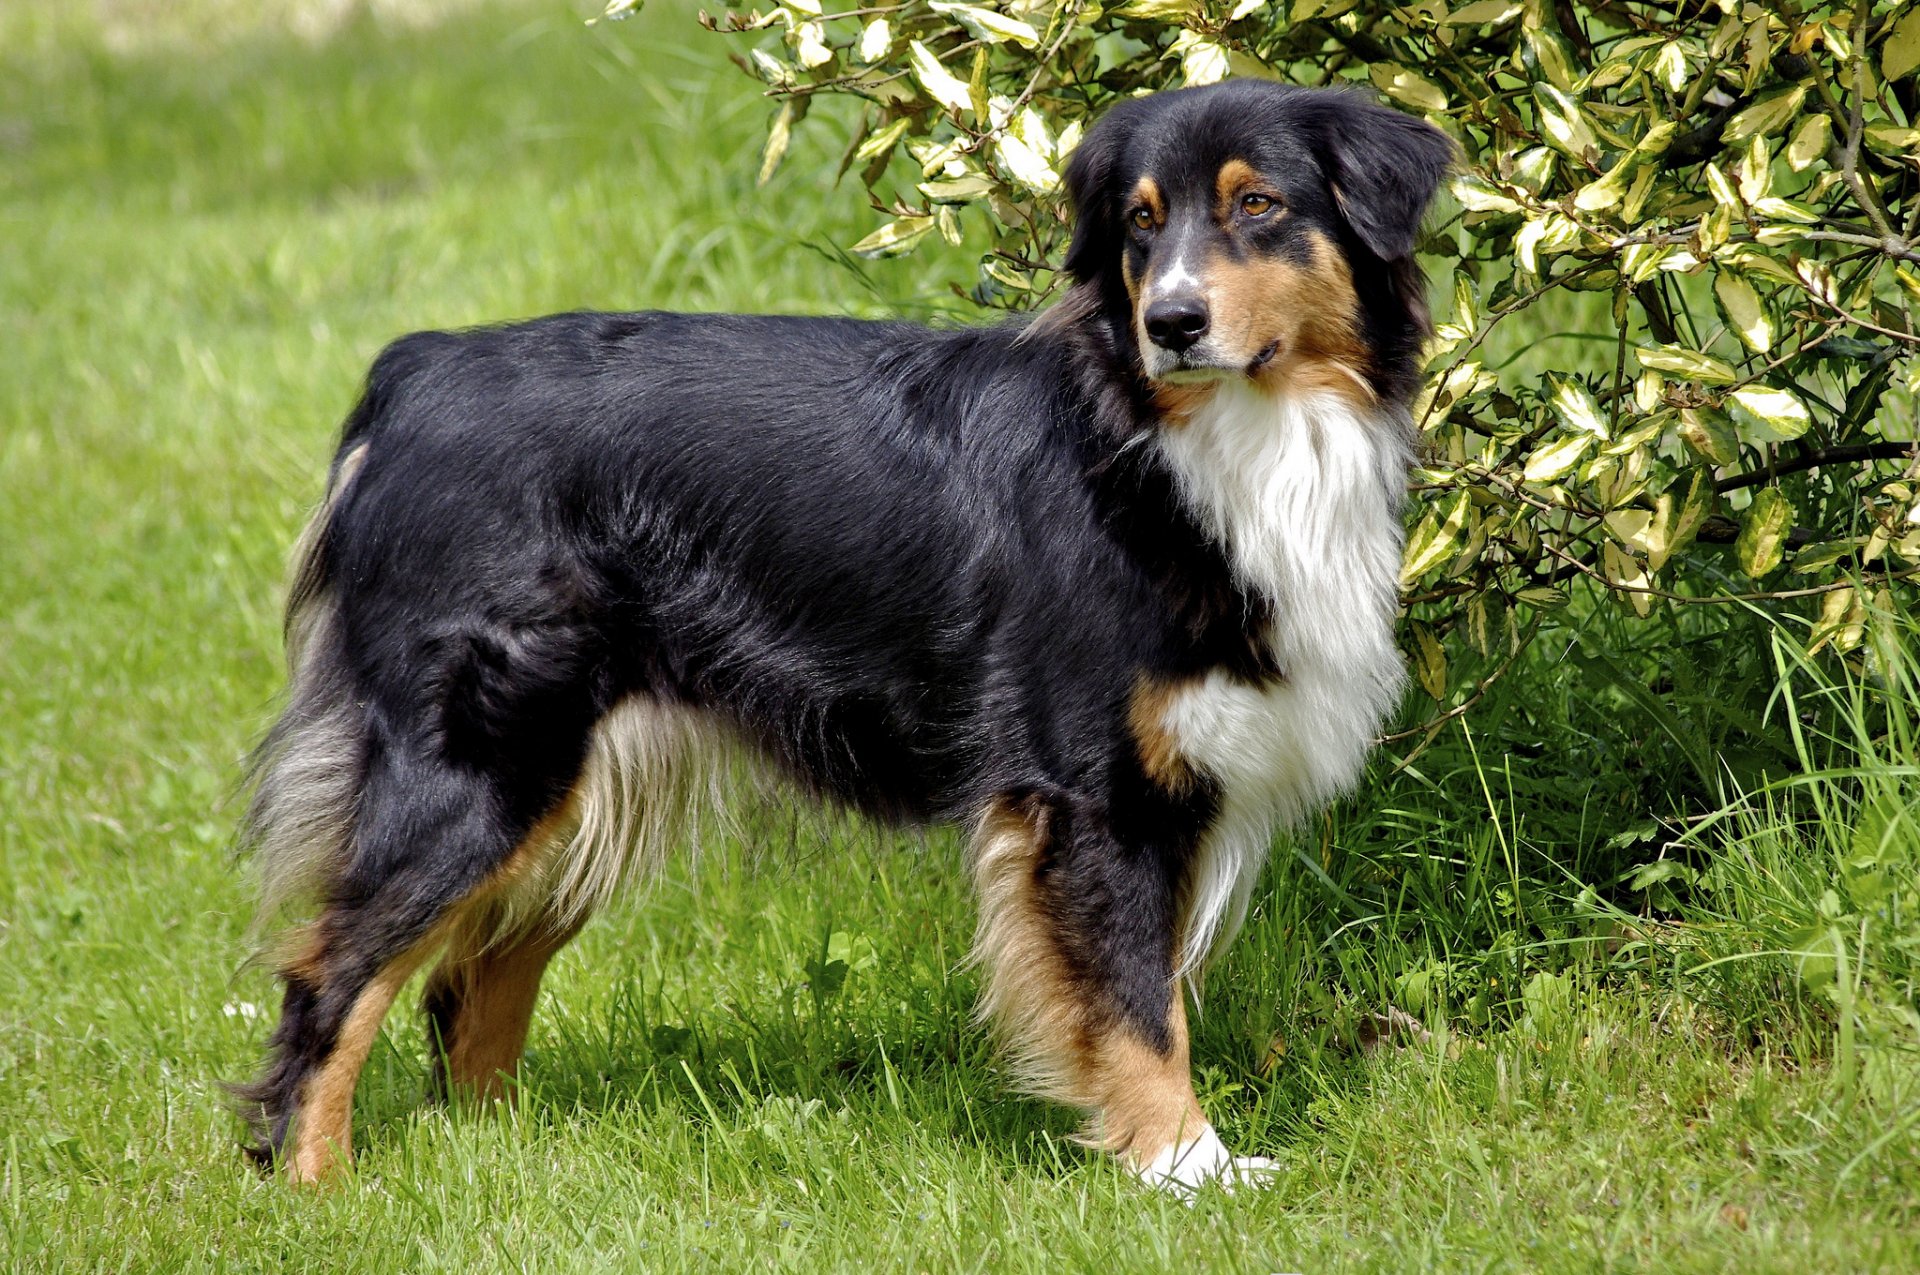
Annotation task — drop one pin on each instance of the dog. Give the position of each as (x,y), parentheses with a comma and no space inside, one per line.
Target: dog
(1114,587)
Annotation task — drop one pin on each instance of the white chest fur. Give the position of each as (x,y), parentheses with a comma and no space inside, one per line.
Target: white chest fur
(1304,496)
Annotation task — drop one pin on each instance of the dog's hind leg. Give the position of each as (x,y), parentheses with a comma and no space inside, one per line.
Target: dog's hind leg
(429,849)
(1078,938)
(479,1002)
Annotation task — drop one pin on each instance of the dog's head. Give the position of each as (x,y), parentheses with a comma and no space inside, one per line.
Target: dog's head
(1251,229)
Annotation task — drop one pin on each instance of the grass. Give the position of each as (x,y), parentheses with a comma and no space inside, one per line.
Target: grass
(1655,1052)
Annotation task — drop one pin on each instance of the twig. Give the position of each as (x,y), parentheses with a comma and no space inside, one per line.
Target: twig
(1721,599)
(1432,726)
(1843,455)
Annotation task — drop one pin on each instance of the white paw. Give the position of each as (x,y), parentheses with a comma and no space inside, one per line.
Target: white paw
(1185,1167)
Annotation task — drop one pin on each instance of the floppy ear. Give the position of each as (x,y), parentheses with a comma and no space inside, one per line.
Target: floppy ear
(1385,167)
(1091,172)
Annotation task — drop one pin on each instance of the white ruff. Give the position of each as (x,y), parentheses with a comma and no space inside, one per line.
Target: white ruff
(1304,495)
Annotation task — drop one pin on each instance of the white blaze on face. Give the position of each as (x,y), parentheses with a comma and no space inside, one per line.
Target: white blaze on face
(1162,363)
(1171,280)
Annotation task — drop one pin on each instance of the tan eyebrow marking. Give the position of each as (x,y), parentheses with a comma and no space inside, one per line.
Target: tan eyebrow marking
(1147,191)
(1235,179)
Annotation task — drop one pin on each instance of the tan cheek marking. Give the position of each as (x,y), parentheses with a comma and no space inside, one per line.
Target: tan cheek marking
(1326,350)
(1158,750)
(1258,302)
(1145,191)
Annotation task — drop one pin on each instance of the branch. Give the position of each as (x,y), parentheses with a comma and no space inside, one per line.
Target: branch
(1844,455)
(1431,727)
(1721,599)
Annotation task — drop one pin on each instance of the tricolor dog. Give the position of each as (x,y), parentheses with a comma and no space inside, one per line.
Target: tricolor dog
(1113,587)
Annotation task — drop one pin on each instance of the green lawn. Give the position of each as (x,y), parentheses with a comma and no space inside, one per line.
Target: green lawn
(208,225)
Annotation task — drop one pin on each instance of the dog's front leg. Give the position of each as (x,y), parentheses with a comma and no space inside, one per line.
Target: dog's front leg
(1077,939)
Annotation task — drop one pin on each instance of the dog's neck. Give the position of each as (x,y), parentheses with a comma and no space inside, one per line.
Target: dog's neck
(1302,491)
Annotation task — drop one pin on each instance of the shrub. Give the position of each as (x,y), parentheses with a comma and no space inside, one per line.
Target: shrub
(1714,200)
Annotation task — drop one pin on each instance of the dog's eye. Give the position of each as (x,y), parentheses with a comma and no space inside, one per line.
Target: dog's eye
(1142,219)
(1257,205)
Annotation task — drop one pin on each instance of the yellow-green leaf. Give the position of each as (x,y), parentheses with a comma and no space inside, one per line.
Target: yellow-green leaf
(1815,557)
(1604,192)
(1710,433)
(778,138)
(1639,436)
(1766,116)
(1626,571)
(1576,407)
(1477,194)
(1900,52)
(960,190)
(1670,65)
(1407,86)
(1556,459)
(1756,170)
(1810,142)
(875,39)
(1786,210)
(1763,532)
(1687,516)
(1201,60)
(1721,188)
(979,94)
(1635,528)
(1843,620)
(1892,138)
(988,25)
(1545,597)
(1563,123)
(1027,166)
(1769,415)
(1550,53)
(1485,612)
(810,45)
(1745,315)
(1430,662)
(1005,275)
(894,238)
(1649,390)
(1159,10)
(1433,540)
(1684,362)
(884,140)
(1482,13)
(941,84)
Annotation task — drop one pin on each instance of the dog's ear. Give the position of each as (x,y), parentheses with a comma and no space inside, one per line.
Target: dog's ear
(1091,172)
(1384,167)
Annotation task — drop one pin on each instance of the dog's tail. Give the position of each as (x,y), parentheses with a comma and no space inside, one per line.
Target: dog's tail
(306,774)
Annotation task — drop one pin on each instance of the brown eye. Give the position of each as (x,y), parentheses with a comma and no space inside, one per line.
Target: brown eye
(1256,205)
(1142,219)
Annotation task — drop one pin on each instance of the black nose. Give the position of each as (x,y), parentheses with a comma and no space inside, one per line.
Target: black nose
(1176,322)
